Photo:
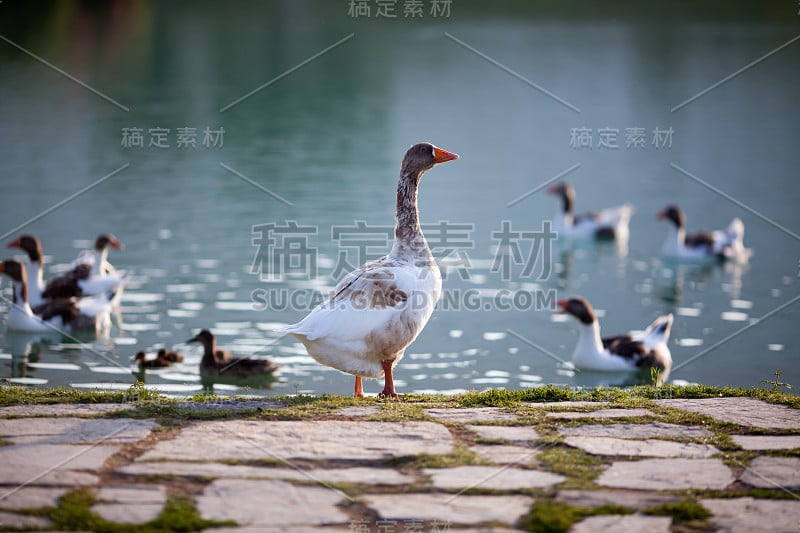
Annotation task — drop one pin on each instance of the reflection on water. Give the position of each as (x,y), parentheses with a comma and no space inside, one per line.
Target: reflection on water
(328,138)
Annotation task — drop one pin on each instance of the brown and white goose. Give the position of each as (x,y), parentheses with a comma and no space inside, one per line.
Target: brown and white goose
(719,245)
(620,352)
(78,282)
(607,224)
(56,314)
(377,310)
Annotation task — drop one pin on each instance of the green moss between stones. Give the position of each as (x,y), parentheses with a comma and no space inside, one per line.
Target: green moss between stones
(684,511)
(550,516)
(580,467)
(74,514)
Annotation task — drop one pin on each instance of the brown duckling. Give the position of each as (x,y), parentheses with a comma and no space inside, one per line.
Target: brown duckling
(163,359)
(221,363)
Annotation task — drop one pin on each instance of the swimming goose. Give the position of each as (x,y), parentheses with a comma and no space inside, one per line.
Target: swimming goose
(703,245)
(621,352)
(220,363)
(103,276)
(33,266)
(56,314)
(606,224)
(78,282)
(377,310)
(98,257)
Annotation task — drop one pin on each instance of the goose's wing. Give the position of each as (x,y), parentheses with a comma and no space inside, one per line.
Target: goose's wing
(625,346)
(701,239)
(365,301)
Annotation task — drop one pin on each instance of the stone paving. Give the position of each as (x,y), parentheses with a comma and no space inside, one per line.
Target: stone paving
(457,469)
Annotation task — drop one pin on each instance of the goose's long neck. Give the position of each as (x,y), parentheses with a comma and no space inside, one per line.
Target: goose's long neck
(589,338)
(566,203)
(35,281)
(20,297)
(409,241)
(100,257)
(676,238)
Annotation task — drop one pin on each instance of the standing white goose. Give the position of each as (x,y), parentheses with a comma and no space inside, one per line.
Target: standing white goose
(620,352)
(607,224)
(377,310)
(703,245)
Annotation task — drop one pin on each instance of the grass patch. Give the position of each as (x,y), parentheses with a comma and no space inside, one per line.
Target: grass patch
(684,511)
(460,457)
(150,403)
(550,516)
(74,514)
(580,467)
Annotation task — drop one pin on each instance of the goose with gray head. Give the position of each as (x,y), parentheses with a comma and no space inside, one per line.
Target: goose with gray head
(607,224)
(702,246)
(377,310)
(620,352)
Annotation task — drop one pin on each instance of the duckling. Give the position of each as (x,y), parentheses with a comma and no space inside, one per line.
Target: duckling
(163,358)
(221,363)
(172,357)
(158,362)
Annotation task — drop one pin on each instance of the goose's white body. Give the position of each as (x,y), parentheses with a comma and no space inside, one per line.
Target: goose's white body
(615,219)
(21,318)
(33,270)
(103,278)
(727,244)
(343,332)
(97,288)
(589,353)
(94,311)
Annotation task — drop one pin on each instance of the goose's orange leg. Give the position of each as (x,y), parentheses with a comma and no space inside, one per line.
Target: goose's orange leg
(388,386)
(359,388)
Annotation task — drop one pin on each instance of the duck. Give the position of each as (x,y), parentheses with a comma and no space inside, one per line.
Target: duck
(379,309)
(78,282)
(57,314)
(163,358)
(221,363)
(720,245)
(620,352)
(607,224)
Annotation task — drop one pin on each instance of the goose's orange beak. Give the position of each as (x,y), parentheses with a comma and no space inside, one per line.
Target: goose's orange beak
(441,156)
(562,307)
(16,243)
